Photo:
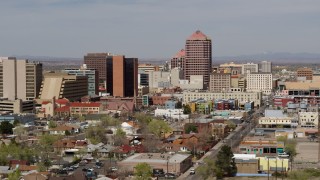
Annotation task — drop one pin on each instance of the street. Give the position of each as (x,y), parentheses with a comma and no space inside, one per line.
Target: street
(232,140)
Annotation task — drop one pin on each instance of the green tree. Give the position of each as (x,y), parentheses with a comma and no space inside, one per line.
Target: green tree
(206,171)
(67,133)
(119,137)
(142,171)
(179,105)
(52,124)
(96,134)
(186,109)
(191,128)
(6,127)
(16,122)
(231,125)
(289,147)
(159,128)
(15,175)
(225,164)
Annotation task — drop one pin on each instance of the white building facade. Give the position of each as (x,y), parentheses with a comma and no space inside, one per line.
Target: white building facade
(259,82)
(240,96)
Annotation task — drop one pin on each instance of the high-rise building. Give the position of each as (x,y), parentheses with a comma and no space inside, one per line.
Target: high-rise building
(98,61)
(178,60)
(93,78)
(305,72)
(249,68)
(63,85)
(265,67)
(220,82)
(198,57)
(122,76)
(19,79)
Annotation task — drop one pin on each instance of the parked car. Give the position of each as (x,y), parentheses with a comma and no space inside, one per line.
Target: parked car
(192,171)
(114,169)
(283,155)
(170,176)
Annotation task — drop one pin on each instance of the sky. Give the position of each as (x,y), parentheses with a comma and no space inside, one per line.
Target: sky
(157,28)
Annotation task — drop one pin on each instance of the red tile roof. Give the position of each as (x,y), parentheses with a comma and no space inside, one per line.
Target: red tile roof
(26,167)
(45,102)
(180,54)
(63,109)
(198,35)
(20,162)
(85,104)
(62,101)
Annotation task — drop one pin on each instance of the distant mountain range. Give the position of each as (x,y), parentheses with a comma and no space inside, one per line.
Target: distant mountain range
(278,57)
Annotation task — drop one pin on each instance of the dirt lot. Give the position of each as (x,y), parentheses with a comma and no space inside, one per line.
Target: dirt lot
(307,151)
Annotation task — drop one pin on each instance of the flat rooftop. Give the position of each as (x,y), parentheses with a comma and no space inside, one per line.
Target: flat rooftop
(156,158)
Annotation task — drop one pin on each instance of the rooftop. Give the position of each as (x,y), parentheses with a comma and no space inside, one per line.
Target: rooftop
(198,35)
(157,158)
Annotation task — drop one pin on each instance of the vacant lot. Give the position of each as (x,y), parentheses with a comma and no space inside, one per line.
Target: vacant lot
(307,151)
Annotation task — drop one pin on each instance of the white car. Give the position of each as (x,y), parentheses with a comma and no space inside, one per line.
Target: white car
(192,171)
(283,155)
(114,169)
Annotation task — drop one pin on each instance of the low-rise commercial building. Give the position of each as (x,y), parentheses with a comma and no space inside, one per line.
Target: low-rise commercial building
(273,122)
(256,97)
(176,163)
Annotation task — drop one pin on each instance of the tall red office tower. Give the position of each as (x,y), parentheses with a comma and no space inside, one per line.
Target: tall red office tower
(198,57)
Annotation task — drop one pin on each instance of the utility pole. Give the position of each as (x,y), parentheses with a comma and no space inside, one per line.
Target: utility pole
(318,135)
(268,169)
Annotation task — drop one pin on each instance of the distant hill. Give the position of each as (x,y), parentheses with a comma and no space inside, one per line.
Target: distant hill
(277,57)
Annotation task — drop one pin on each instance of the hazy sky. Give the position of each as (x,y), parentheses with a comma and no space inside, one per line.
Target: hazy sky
(156,28)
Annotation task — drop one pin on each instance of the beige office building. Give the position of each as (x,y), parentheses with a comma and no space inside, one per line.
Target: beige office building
(249,68)
(19,79)
(63,85)
(259,82)
(220,82)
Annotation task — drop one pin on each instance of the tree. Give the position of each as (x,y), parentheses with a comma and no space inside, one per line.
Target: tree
(191,128)
(207,169)
(6,127)
(186,109)
(15,175)
(19,131)
(16,122)
(143,171)
(179,105)
(159,127)
(231,125)
(225,164)
(52,124)
(96,134)
(119,137)
(67,133)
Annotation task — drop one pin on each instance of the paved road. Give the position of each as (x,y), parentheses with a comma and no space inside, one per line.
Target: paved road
(232,140)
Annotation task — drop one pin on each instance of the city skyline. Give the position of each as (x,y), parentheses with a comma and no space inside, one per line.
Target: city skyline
(156,29)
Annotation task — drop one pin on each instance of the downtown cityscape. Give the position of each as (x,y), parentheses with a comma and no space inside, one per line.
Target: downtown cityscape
(185,103)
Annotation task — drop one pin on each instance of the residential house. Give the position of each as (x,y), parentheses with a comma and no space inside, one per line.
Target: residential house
(120,106)
(102,150)
(61,130)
